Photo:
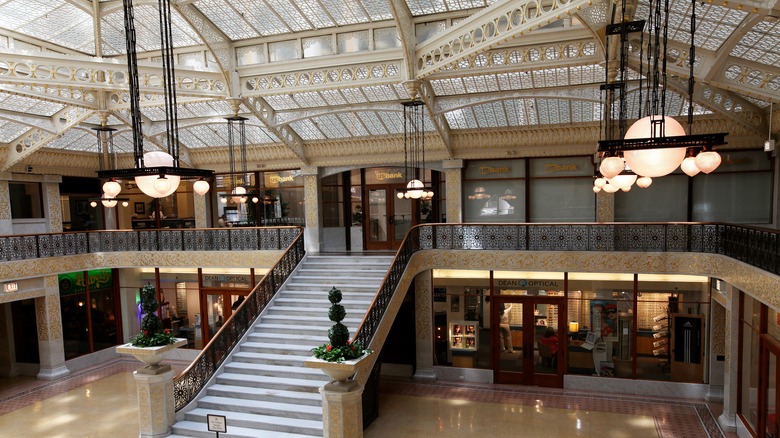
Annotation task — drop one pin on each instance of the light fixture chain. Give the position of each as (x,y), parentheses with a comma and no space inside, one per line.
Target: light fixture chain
(134,91)
(691,62)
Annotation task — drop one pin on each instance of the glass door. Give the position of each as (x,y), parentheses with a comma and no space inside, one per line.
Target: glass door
(389,218)
(768,395)
(525,342)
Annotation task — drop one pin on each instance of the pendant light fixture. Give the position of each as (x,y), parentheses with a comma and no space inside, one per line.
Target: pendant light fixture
(414,152)
(107,159)
(238,166)
(656,144)
(156,173)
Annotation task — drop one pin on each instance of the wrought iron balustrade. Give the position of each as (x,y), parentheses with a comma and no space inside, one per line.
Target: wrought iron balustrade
(187,385)
(36,246)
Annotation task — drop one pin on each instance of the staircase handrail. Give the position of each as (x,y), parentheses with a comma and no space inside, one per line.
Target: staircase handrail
(189,383)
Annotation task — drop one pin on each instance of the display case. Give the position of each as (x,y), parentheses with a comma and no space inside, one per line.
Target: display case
(463,336)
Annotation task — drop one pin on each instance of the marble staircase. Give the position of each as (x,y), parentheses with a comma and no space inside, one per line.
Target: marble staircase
(264,390)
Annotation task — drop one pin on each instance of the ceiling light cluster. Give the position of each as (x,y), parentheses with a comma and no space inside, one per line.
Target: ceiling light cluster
(414,152)
(656,144)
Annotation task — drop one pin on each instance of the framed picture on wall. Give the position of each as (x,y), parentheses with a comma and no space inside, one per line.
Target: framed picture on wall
(463,335)
(139,208)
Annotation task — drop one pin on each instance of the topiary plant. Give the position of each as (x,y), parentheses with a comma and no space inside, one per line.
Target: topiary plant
(152,333)
(339,348)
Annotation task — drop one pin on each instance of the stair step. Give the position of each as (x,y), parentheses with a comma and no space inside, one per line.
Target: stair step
(274,395)
(259,422)
(260,407)
(270,382)
(284,338)
(304,330)
(309,321)
(200,430)
(271,358)
(261,369)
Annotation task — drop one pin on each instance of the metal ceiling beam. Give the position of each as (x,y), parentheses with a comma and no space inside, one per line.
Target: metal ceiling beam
(31,120)
(267,115)
(404,21)
(72,97)
(36,138)
(494,25)
(439,120)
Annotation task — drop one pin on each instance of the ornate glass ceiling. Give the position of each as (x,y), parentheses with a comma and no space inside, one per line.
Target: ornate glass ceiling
(308,72)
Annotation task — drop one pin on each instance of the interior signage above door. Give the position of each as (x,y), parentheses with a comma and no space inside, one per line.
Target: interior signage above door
(226,278)
(487,170)
(383,176)
(530,283)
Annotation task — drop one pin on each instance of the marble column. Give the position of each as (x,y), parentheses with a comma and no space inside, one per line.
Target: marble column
(51,347)
(311,196)
(199,202)
(53,204)
(156,406)
(605,207)
(423,299)
(8,366)
(6,225)
(453,175)
(728,419)
(342,410)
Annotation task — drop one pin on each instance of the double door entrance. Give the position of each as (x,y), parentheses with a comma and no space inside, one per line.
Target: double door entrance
(389,218)
(527,347)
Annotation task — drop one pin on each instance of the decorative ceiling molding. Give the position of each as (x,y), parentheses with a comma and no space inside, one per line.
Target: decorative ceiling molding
(266,114)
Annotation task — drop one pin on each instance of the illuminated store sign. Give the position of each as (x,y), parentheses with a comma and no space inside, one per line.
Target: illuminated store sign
(227,278)
(281,179)
(381,176)
(11,287)
(552,168)
(529,283)
(487,170)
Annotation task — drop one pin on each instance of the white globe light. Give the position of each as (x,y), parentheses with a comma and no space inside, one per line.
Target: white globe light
(125,203)
(611,166)
(162,185)
(255,199)
(596,189)
(400,195)
(708,161)
(201,187)
(644,182)
(689,166)
(239,191)
(146,183)
(243,199)
(654,162)
(415,188)
(609,188)
(623,181)
(599,182)
(108,202)
(625,189)
(93,204)
(223,200)
(111,188)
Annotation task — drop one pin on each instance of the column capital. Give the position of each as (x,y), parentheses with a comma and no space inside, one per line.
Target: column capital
(452,164)
(310,170)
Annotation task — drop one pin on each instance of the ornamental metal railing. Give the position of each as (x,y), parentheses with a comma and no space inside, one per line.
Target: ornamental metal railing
(36,246)
(188,384)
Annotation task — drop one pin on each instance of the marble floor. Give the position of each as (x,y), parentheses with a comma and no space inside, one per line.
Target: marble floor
(101,402)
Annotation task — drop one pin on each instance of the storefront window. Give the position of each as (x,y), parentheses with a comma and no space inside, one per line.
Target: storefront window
(461,313)
(561,189)
(494,191)
(26,200)
(90,315)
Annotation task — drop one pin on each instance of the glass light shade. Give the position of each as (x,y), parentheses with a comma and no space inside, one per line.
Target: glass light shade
(415,188)
(689,166)
(146,183)
(611,166)
(623,181)
(708,161)
(107,202)
(596,189)
(238,191)
(243,199)
(644,182)
(626,189)
(223,200)
(162,185)
(125,203)
(400,195)
(654,162)
(255,200)
(201,187)
(93,204)
(574,327)
(111,188)
(609,188)
(599,182)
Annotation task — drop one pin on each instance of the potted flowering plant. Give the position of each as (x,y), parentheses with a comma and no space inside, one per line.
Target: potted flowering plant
(342,353)
(153,343)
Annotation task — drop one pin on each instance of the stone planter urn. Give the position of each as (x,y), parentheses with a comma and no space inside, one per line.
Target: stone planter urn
(151,356)
(339,373)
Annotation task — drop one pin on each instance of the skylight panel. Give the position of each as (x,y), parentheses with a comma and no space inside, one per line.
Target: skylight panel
(426,7)
(372,123)
(25,104)
(331,126)
(282,102)
(515,111)
(263,18)
(190,138)
(230,19)
(456,119)
(147,19)
(480,84)
(10,131)
(208,135)
(353,95)
(458,5)
(333,97)
(155,113)
(315,12)
(490,115)
(354,124)
(448,87)
(393,120)
(307,130)
(123,142)
(761,44)
(378,10)
(714,23)
(75,140)
(58,22)
(309,100)
(379,93)
(291,16)
(259,135)
(346,11)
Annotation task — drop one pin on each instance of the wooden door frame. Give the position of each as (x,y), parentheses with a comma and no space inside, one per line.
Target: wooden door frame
(767,346)
(528,376)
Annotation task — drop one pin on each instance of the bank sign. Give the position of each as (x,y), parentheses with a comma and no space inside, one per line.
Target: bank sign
(532,284)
